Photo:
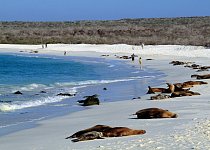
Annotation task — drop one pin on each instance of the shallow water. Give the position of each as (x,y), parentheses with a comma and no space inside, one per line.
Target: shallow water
(32,74)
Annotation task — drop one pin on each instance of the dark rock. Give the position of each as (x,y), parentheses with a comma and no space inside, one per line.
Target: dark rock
(104,55)
(5,101)
(90,100)
(125,57)
(18,92)
(137,98)
(23,113)
(65,94)
(43,92)
(104,88)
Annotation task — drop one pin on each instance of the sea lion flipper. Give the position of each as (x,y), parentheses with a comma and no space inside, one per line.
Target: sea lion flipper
(68,137)
(75,140)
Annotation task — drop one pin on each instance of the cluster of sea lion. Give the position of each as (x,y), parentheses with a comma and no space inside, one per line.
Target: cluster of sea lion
(180,63)
(192,65)
(180,89)
(102,131)
(176,90)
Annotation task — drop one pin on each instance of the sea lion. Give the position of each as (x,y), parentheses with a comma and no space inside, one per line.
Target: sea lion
(98,128)
(207,76)
(89,136)
(154,90)
(170,89)
(184,93)
(100,131)
(189,84)
(159,97)
(179,63)
(121,131)
(151,113)
(181,87)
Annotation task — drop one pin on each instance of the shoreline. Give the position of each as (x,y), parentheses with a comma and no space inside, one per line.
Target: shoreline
(19,126)
(50,134)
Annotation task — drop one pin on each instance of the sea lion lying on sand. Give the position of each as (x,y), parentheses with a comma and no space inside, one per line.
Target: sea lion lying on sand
(100,131)
(121,131)
(179,63)
(159,97)
(187,84)
(207,76)
(151,113)
(89,136)
(194,83)
(98,128)
(184,93)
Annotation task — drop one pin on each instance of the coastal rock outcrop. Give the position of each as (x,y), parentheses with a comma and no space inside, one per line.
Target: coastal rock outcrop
(90,100)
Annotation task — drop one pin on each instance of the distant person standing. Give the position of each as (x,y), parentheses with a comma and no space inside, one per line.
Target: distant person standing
(133,48)
(142,45)
(45,45)
(64,53)
(132,57)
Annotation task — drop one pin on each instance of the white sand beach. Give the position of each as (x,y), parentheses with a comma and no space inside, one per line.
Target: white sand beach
(191,130)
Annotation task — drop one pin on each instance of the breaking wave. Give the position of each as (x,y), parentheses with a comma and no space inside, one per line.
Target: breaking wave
(16,105)
(6,107)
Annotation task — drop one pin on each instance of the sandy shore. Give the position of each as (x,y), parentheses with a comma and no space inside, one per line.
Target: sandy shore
(191,130)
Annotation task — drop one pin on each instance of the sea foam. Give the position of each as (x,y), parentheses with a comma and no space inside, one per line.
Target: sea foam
(6,107)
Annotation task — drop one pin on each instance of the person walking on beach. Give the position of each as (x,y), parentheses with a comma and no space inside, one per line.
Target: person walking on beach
(140,62)
(132,57)
(64,53)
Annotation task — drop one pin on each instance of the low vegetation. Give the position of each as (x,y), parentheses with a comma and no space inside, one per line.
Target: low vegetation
(181,31)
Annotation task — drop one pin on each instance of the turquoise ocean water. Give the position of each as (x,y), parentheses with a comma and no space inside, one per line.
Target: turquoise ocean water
(40,78)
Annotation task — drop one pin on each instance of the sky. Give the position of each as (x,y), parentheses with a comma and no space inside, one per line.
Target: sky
(74,10)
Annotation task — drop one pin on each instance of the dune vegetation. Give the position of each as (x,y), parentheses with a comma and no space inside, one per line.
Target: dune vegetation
(153,31)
